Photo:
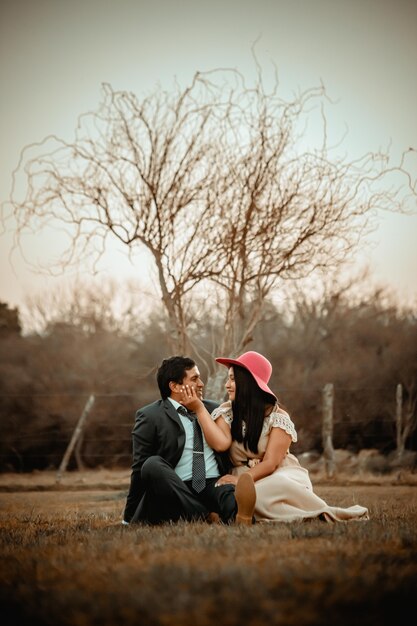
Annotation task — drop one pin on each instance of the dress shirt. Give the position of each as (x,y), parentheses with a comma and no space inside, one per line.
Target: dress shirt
(184,468)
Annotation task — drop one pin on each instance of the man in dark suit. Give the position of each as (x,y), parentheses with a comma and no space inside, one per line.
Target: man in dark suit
(161,487)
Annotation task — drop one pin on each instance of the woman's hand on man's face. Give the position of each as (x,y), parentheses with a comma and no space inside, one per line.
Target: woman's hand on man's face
(190,399)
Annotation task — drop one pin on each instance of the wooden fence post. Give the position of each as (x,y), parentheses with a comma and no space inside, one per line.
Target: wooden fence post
(77,452)
(399,418)
(327,429)
(75,435)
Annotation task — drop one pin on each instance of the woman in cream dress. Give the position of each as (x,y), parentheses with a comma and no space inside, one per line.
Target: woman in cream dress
(258,434)
(286,494)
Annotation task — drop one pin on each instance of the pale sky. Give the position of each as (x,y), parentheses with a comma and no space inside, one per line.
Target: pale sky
(55,54)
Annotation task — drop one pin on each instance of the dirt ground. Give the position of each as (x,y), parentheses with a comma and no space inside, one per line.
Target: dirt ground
(44,493)
(76,481)
(111,479)
(104,491)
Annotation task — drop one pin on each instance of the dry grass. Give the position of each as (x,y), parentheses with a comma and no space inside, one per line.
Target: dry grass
(63,562)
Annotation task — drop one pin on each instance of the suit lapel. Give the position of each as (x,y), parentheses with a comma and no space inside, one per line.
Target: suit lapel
(179,441)
(172,413)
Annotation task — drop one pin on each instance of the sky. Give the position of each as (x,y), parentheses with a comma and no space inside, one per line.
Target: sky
(55,55)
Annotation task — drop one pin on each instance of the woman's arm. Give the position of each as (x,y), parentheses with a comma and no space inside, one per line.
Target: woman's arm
(217,433)
(276,449)
(278,443)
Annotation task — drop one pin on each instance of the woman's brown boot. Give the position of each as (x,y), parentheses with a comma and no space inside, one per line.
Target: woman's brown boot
(245,495)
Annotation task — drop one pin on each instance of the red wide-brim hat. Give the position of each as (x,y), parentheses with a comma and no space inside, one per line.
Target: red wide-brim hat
(257,365)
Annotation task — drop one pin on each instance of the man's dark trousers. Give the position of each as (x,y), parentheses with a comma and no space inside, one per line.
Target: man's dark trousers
(168,498)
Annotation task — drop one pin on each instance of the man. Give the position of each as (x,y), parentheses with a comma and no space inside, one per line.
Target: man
(162,488)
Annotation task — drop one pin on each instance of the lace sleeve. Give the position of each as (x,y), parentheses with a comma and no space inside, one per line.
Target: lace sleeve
(283,420)
(225,411)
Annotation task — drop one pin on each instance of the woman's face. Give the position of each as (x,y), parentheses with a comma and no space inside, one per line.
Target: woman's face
(230,384)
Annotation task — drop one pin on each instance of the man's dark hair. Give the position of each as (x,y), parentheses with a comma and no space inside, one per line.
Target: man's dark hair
(172,369)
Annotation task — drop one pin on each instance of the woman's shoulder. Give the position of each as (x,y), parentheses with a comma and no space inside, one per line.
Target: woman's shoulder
(225,411)
(279,418)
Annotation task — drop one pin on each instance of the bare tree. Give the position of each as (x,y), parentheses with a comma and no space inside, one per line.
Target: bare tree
(138,171)
(285,212)
(215,181)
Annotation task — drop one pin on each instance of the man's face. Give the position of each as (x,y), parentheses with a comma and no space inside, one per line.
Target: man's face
(192,378)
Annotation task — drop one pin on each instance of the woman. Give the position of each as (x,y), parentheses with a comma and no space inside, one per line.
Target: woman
(258,435)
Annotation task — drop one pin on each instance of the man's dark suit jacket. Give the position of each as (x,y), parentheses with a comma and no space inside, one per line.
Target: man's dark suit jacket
(158,431)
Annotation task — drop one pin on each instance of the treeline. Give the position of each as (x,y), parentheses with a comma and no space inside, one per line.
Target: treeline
(364,347)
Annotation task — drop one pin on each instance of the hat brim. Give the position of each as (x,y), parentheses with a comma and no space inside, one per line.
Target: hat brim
(261,384)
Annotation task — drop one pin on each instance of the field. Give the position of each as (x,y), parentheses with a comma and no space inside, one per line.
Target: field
(65,560)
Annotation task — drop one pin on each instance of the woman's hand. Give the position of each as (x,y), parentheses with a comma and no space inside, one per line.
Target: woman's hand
(190,399)
(217,435)
(227,479)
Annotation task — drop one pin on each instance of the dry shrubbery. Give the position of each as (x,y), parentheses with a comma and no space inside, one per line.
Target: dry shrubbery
(363,346)
(63,562)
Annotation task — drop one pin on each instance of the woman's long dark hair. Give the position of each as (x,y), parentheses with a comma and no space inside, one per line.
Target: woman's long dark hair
(248,407)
